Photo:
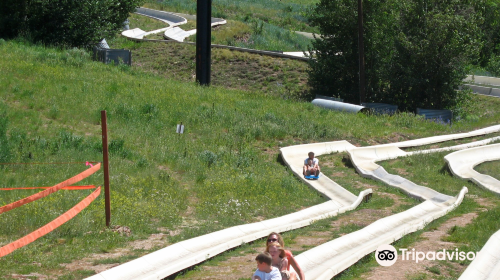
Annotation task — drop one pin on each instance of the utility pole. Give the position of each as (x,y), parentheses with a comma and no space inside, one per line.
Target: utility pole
(361,51)
(203,41)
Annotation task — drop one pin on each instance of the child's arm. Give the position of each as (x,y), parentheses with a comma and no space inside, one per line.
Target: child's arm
(284,272)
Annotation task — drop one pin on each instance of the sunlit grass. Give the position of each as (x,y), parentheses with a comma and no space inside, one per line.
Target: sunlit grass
(224,166)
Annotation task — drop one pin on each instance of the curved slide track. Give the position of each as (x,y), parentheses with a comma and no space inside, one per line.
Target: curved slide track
(486,266)
(329,259)
(340,253)
(462,165)
(176,34)
(182,255)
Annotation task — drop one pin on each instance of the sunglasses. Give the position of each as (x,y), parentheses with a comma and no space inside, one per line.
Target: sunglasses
(272,240)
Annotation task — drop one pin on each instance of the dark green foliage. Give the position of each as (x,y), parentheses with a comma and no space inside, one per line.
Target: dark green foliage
(490,35)
(434,44)
(335,71)
(64,22)
(416,51)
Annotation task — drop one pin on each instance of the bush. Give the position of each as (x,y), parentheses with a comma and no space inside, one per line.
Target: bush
(494,65)
(64,22)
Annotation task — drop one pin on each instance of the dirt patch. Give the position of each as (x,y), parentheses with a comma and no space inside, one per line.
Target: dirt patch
(433,242)
(311,240)
(401,171)
(233,268)
(30,276)
(88,263)
(337,175)
(155,240)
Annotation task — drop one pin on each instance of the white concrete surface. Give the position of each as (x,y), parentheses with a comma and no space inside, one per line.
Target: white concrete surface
(331,258)
(486,265)
(182,255)
(364,160)
(339,253)
(462,165)
(177,34)
(176,19)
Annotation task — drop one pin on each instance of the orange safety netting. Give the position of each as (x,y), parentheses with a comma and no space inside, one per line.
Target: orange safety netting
(64,188)
(9,248)
(50,190)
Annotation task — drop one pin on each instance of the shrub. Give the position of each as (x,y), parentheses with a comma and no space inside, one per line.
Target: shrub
(64,22)
(416,52)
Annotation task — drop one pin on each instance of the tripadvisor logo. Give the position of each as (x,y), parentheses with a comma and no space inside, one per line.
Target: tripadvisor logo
(387,255)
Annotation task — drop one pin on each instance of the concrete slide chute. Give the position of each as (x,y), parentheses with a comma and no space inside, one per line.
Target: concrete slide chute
(184,254)
(364,159)
(339,253)
(170,19)
(462,165)
(486,265)
(331,258)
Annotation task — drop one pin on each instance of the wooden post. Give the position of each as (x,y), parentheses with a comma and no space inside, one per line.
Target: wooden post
(105,158)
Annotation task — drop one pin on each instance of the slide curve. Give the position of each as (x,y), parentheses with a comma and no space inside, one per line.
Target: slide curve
(340,253)
(184,254)
(486,266)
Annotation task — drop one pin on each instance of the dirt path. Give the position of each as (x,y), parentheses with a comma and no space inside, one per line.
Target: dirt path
(241,265)
(403,269)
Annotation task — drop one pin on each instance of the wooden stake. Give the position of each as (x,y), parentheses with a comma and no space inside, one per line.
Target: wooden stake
(107,203)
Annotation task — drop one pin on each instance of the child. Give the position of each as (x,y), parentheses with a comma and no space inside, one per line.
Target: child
(264,269)
(279,259)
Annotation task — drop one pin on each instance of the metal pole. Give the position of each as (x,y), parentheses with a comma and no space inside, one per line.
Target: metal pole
(105,157)
(203,41)
(361,51)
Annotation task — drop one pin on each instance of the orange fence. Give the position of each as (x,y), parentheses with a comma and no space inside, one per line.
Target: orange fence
(50,190)
(64,188)
(9,248)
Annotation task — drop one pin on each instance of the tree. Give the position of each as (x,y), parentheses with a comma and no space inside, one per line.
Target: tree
(64,22)
(416,50)
(335,70)
(436,41)
(490,28)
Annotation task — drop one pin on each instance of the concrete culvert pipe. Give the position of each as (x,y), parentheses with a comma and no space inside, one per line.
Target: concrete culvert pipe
(339,106)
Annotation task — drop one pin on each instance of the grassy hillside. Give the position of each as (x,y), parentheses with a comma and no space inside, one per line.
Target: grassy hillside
(263,24)
(223,171)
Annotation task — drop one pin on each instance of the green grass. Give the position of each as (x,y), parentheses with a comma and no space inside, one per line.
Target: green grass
(430,170)
(491,168)
(225,166)
(263,24)
(145,23)
(285,14)
(230,69)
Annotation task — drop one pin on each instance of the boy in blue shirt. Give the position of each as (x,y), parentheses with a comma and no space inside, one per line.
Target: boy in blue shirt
(264,269)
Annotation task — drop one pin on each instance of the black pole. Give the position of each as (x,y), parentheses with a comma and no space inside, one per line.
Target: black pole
(362,90)
(203,41)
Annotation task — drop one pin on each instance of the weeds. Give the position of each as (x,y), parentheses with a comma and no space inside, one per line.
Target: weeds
(217,167)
